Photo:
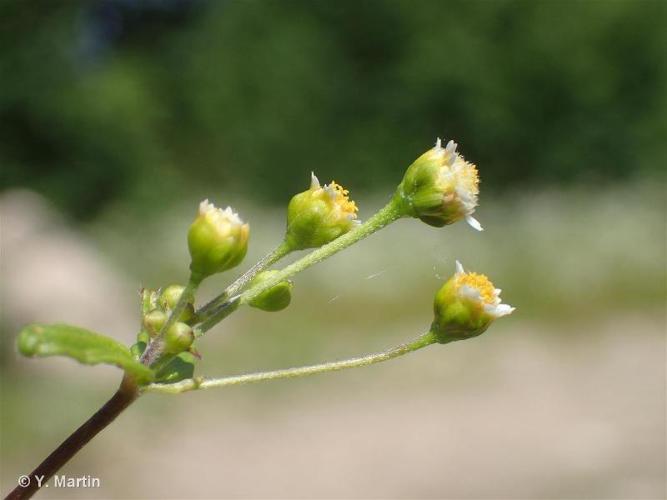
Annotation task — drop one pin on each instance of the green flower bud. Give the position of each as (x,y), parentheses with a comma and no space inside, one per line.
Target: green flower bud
(154,321)
(465,306)
(275,298)
(178,339)
(217,240)
(440,187)
(319,215)
(170,297)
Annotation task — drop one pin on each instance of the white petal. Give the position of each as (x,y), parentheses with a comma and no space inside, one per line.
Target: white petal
(451,147)
(205,206)
(459,268)
(474,223)
(438,143)
(314,181)
(469,292)
(503,310)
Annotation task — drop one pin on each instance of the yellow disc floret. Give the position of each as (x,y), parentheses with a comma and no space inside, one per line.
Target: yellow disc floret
(480,283)
(319,215)
(340,197)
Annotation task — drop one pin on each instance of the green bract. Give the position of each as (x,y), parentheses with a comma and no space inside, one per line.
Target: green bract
(275,298)
(82,345)
(217,240)
(180,367)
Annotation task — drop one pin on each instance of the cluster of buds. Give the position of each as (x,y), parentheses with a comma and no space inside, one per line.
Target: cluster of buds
(441,188)
(157,307)
(319,215)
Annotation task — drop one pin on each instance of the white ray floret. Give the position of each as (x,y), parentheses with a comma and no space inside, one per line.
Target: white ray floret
(477,288)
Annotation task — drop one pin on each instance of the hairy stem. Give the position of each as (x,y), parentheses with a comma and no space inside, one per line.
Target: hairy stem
(302,371)
(216,316)
(126,394)
(269,259)
(386,215)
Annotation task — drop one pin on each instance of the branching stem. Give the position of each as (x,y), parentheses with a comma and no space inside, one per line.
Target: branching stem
(221,306)
(302,371)
(386,215)
(269,259)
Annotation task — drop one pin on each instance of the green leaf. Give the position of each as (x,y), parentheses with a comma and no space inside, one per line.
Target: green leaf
(142,342)
(179,368)
(83,345)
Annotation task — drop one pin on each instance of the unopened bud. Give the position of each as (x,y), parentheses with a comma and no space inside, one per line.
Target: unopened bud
(440,187)
(465,306)
(170,297)
(154,321)
(275,298)
(319,215)
(217,240)
(178,339)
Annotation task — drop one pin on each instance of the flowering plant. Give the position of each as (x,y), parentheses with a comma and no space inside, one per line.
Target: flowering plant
(439,188)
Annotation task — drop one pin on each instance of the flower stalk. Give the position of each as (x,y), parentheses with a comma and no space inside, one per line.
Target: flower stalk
(302,371)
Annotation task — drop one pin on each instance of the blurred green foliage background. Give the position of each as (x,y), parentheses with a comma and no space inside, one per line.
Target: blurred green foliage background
(129,100)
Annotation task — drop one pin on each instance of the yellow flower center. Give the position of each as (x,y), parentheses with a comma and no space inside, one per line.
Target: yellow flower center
(340,197)
(480,283)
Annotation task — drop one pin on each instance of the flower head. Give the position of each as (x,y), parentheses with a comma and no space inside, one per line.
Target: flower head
(217,240)
(319,215)
(466,305)
(440,187)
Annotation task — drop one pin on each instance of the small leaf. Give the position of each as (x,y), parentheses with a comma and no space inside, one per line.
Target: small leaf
(83,345)
(179,368)
(142,342)
(138,349)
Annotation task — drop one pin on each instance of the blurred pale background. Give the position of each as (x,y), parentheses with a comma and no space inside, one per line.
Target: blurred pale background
(117,116)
